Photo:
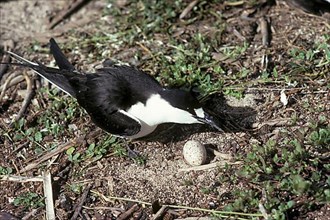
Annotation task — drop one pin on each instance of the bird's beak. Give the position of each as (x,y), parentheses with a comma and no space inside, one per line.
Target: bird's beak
(205,118)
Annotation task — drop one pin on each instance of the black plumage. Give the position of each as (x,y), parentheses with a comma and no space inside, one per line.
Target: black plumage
(103,93)
(121,100)
(317,7)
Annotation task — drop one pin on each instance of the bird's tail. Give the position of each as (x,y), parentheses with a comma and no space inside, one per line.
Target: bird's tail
(59,77)
(61,61)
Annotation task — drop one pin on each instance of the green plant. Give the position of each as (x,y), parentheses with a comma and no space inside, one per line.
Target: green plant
(119,150)
(99,149)
(174,62)
(284,172)
(73,157)
(234,51)
(54,121)
(29,200)
(205,190)
(235,93)
(76,188)
(316,58)
(321,137)
(5,170)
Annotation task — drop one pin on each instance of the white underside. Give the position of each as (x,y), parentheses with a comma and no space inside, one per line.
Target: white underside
(158,111)
(145,128)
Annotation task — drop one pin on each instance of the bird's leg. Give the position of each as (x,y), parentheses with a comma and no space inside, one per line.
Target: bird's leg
(134,155)
(130,152)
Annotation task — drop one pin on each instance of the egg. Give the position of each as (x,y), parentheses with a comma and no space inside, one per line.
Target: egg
(194,153)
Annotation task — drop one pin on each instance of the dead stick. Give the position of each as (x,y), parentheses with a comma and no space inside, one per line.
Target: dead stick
(218,154)
(13,82)
(21,179)
(67,12)
(264,31)
(6,84)
(209,166)
(58,150)
(48,192)
(275,122)
(81,202)
(188,9)
(160,213)
(128,213)
(27,99)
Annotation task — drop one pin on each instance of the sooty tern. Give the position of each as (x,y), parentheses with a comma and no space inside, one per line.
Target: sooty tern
(317,7)
(121,100)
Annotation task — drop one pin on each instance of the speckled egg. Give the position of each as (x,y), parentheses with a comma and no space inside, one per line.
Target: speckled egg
(194,153)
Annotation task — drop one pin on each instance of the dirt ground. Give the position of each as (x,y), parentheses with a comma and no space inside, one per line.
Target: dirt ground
(163,176)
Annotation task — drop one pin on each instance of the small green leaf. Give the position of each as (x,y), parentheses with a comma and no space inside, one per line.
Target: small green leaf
(70,151)
(38,136)
(76,156)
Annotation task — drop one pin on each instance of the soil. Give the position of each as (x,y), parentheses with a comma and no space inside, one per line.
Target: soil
(161,178)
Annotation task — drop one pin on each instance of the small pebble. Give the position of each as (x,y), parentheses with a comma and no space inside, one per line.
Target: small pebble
(194,153)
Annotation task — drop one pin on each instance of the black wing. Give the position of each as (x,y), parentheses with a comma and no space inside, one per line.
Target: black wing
(103,96)
(111,91)
(114,122)
(132,82)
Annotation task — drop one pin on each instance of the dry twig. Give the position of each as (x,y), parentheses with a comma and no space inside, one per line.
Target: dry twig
(188,9)
(21,179)
(263,211)
(47,156)
(81,202)
(8,83)
(67,12)
(265,33)
(218,154)
(28,97)
(160,213)
(275,122)
(209,166)
(48,193)
(113,209)
(236,3)
(110,198)
(18,79)
(128,213)
(145,49)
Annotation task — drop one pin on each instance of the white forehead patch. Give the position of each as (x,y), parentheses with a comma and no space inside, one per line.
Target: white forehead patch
(200,112)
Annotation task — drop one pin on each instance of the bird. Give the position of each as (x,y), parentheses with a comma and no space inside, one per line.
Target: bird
(121,99)
(317,7)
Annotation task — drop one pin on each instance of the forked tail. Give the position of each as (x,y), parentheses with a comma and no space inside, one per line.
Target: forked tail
(59,77)
(61,61)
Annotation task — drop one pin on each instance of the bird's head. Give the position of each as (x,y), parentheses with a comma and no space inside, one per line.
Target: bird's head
(205,118)
(188,102)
